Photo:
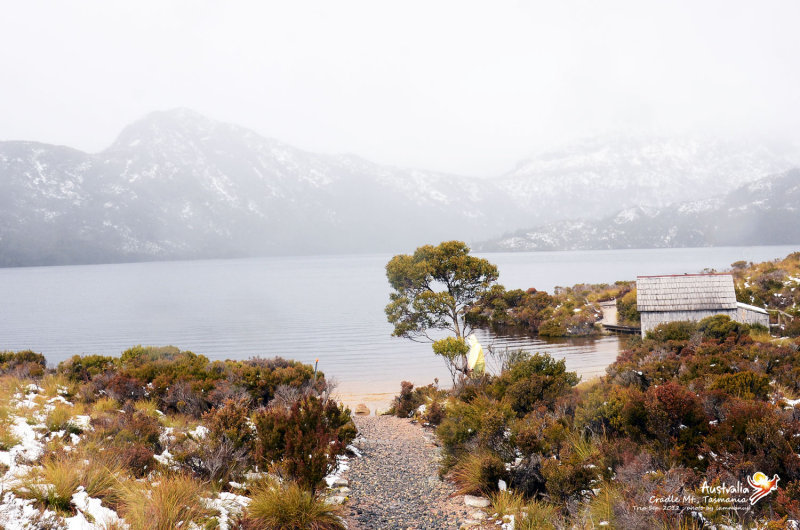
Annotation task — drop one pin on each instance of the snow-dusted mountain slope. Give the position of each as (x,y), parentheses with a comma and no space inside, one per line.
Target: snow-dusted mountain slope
(177,185)
(763,212)
(598,176)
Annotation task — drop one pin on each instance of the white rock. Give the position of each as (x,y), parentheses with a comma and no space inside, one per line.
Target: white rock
(476,502)
(336,499)
(501,485)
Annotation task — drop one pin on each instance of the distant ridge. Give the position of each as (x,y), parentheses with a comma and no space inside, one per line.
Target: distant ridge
(764,212)
(178,185)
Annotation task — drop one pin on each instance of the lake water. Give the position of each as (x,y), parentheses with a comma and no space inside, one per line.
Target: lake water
(304,308)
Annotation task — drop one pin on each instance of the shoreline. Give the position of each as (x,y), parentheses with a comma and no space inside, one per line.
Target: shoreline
(379,401)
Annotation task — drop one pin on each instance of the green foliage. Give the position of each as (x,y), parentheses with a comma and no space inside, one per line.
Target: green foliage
(746,385)
(480,423)
(720,327)
(679,331)
(534,380)
(25,363)
(83,368)
(230,424)
(434,287)
(627,311)
(452,349)
(570,311)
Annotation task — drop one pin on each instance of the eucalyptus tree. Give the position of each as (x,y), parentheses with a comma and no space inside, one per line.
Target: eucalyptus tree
(432,290)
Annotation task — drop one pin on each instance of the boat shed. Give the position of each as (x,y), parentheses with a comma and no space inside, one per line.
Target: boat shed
(691,297)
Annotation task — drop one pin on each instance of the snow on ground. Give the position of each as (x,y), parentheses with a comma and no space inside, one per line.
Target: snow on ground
(99,515)
(228,505)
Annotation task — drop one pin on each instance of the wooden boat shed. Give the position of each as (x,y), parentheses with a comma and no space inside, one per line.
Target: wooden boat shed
(693,297)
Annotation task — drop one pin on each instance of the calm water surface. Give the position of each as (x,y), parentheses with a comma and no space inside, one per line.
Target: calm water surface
(302,308)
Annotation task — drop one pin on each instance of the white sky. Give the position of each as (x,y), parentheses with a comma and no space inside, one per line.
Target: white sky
(458,86)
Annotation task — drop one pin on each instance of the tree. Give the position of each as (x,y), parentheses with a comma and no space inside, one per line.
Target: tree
(434,287)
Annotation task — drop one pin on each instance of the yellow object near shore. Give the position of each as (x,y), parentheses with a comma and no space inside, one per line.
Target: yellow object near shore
(476,362)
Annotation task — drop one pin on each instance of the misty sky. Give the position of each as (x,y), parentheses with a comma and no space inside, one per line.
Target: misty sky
(457,86)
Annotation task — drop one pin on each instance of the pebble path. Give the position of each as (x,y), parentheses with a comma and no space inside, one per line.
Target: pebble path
(395,485)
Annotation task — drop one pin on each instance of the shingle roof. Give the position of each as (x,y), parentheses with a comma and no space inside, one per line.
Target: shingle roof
(686,292)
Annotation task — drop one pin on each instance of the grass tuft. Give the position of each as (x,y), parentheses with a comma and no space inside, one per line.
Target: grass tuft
(506,503)
(171,502)
(478,473)
(53,483)
(289,507)
(537,515)
(58,418)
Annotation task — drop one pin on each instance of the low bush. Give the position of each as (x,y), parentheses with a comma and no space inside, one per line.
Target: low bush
(677,331)
(407,402)
(302,443)
(745,385)
(532,381)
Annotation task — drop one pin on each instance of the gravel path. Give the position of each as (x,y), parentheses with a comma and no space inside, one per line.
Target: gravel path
(395,484)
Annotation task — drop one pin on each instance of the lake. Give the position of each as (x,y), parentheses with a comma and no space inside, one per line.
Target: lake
(304,308)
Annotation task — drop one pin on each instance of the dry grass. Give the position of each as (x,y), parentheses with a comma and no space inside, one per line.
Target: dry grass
(602,505)
(148,406)
(163,504)
(104,405)
(55,384)
(58,419)
(53,483)
(506,503)
(477,473)
(7,437)
(104,479)
(289,507)
(537,515)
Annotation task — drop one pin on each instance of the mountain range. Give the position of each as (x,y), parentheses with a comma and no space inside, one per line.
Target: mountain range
(763,212)
(178,185)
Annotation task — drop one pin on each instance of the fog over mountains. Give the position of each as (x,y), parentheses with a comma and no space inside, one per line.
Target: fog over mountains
(763,212)
(177,185)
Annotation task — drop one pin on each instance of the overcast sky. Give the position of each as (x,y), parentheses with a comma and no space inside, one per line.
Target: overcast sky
(458,86)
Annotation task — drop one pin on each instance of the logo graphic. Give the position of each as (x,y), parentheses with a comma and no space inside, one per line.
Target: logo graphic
(762,485)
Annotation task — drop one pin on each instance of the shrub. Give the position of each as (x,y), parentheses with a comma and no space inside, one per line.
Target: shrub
(553,328)
(745,385)
(82,369)
(435,413)
(25,363)
(534,380)
(627,309)
(302,443)
(678,331)
(719,327)
(168,503)
(478,473)
(407,402)
(230,423)
(290,507)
